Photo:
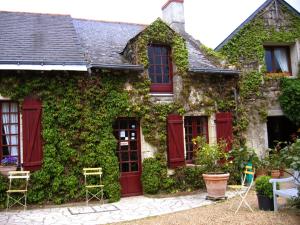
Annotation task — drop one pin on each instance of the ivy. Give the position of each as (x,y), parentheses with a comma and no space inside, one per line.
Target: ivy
(246,51)
(290,99)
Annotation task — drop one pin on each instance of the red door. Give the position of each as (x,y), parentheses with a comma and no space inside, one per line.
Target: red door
(127,133)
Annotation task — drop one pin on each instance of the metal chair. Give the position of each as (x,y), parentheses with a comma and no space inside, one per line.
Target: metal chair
(17,191)
(243,189)
(92,181)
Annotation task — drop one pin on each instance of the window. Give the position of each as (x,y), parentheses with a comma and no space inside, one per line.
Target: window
(278,59)
(160,68)
(10,129)
(194,126)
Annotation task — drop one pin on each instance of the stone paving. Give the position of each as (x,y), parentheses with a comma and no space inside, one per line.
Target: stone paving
(126,209)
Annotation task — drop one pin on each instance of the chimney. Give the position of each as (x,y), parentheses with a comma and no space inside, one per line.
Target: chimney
(173,15)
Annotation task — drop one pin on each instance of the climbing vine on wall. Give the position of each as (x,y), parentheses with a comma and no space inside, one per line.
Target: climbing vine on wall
(246,51)
(78,113)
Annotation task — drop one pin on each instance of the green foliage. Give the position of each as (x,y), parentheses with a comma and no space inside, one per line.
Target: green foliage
(290,99)
(246,51)
(152,175)
(3,189)
(250,84)
(263,186)
(240,158)
(78,113)
(188,178)
(210,155)
(291,155)
(160,33)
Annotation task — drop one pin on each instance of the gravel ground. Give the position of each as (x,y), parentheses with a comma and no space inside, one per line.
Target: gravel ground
(219,213)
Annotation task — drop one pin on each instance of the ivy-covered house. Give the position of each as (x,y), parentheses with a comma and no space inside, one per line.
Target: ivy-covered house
(266,48)
(80,93)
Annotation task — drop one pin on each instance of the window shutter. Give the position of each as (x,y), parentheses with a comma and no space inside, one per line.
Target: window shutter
(224,128)
(32,141)
(175,141)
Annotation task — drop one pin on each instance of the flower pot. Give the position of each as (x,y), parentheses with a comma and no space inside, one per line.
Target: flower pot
(265,203)
(5,169)
(261,172)
(275,173)
(216,185)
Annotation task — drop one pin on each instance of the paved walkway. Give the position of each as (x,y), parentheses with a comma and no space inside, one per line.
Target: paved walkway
(126,209)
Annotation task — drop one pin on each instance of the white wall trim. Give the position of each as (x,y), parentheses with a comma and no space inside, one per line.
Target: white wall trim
(43,67)
(275,112)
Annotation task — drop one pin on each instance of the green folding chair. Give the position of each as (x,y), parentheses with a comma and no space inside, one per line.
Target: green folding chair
(17,191)
(93,184)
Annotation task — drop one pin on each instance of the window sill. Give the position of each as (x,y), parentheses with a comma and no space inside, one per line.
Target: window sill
(161,94)
(278,75)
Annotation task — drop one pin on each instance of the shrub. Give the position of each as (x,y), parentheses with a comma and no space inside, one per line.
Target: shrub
(151,176)
(188,178)
(3,188)
(263,186)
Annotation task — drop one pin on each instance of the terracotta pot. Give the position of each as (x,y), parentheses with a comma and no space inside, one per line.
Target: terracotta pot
(275,173)
(5,169)
(216,184)
(261,172)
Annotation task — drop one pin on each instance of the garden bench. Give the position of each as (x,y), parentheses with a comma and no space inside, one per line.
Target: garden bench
(285,193)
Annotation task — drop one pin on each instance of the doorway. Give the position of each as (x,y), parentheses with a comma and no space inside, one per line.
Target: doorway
(127,133)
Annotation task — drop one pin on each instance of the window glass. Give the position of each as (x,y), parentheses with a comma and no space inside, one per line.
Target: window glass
(159,64)
(9,121)
(277,59)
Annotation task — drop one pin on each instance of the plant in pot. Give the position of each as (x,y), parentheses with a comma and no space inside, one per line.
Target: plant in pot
(214,160)
(8,163)
(275,163)
(262,167)
(264,192)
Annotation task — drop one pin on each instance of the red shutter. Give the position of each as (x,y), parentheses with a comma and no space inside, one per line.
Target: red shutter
(175,141)
(32,141)
(224,128)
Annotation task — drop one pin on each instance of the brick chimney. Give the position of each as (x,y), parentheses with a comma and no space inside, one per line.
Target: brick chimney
(173,15)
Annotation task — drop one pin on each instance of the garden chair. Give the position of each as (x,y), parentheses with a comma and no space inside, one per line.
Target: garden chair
(17,191)
(243,189)
(93,184)
(285,193)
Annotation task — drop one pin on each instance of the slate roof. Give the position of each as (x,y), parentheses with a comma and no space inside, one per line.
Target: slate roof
(263,6)
(104,41)
(32,38)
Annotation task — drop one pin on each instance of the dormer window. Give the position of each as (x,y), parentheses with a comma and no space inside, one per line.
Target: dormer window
(277,59)
(160,68)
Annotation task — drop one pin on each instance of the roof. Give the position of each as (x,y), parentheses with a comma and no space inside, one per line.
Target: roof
(104,41)
(32,38)
(29,39)
(263,6)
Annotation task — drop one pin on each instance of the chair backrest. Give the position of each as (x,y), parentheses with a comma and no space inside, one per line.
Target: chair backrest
(18,175)
(92,172)
(248,172)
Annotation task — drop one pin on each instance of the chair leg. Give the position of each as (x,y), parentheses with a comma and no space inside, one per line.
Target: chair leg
(275,202)
(7,201)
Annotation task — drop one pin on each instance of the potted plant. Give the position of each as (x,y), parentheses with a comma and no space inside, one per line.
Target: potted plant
(8,163)
(264,192)
(213,159)
(262,167)
(275,164)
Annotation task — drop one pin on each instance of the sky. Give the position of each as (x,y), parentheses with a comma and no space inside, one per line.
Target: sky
(209,21)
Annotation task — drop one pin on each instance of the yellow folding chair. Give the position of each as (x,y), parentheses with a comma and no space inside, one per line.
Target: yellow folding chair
(92,181)
(17,191)
(243,189)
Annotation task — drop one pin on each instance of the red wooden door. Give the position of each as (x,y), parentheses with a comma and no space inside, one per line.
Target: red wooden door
(32,140)
(127,133)
(175,141)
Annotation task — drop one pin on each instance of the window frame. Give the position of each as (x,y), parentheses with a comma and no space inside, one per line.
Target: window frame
(194,125)
(272,49)
(162,87)
(18,134)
